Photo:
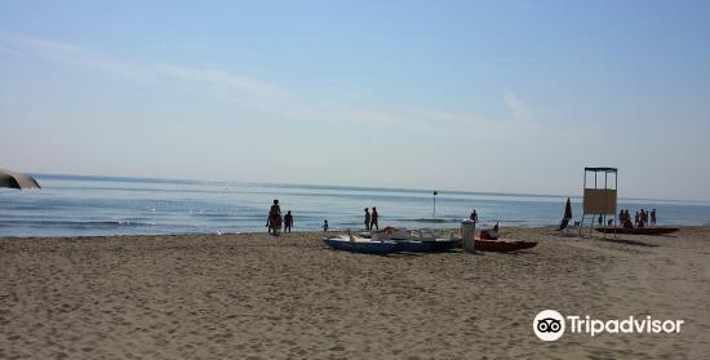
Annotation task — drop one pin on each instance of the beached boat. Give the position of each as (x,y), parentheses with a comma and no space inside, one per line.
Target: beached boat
(417,240)
(361,245)
(503,245)
(426,246)
(638,231)
(423,234)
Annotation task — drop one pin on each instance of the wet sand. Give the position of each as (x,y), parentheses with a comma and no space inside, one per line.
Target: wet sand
(254,296)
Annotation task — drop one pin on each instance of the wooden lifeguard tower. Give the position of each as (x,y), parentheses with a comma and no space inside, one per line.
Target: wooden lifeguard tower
(600,200)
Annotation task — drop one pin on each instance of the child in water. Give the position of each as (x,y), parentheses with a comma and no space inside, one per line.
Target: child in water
(288,221)
(325,225)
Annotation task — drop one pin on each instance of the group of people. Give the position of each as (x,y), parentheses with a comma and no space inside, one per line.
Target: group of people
(641,219)
(371,219)
(275,220)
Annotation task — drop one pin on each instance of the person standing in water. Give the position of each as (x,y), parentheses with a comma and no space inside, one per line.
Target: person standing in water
(288,222)
(367,219)
(325,225)
(373,221)
(474,216)
(653,217)
(274,218)
(636,219)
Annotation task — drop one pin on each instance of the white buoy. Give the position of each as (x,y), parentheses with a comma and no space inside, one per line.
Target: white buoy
(468,228)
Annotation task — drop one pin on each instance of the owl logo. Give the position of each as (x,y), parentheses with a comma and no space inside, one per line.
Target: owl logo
(549,325)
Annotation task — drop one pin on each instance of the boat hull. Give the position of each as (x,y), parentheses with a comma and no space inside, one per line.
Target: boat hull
(426,246)
(361,247)
(638,231)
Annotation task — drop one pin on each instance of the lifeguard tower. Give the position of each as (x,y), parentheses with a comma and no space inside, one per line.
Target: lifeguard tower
(600,200)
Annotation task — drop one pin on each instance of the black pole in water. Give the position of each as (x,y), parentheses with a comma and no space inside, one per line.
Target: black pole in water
(434,213)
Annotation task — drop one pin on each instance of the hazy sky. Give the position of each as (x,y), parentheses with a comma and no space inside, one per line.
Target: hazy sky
(503,96)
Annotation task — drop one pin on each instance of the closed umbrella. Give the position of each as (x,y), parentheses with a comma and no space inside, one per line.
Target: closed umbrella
(568,210)
(16,180)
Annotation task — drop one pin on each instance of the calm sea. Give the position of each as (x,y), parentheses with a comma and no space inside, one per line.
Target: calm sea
(90,205)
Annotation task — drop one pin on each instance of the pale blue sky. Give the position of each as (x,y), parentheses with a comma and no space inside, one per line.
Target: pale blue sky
(504,96)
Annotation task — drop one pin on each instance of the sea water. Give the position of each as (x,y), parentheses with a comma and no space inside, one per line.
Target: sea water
(91,205)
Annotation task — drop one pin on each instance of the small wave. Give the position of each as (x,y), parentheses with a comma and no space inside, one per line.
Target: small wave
(75,224)
(433,220)
(211,215)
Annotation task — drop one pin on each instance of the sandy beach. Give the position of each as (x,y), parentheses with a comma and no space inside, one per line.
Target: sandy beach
(254,296)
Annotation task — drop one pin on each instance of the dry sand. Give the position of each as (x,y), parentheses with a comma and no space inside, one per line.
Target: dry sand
(259,297)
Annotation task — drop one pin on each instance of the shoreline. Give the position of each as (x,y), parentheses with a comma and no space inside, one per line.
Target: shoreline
(551,228)
(263,297)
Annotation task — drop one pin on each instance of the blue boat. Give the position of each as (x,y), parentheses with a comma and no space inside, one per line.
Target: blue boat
(418,240)
(360,245)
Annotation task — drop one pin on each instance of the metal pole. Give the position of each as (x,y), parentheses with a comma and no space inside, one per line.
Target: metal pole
(616,188)
(606,194)
(434,213)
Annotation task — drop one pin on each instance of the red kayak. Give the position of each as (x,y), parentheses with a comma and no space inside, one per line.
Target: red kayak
(503,245)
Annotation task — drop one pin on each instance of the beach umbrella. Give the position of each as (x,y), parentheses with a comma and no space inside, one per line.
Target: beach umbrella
(568,210)
(16,180)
